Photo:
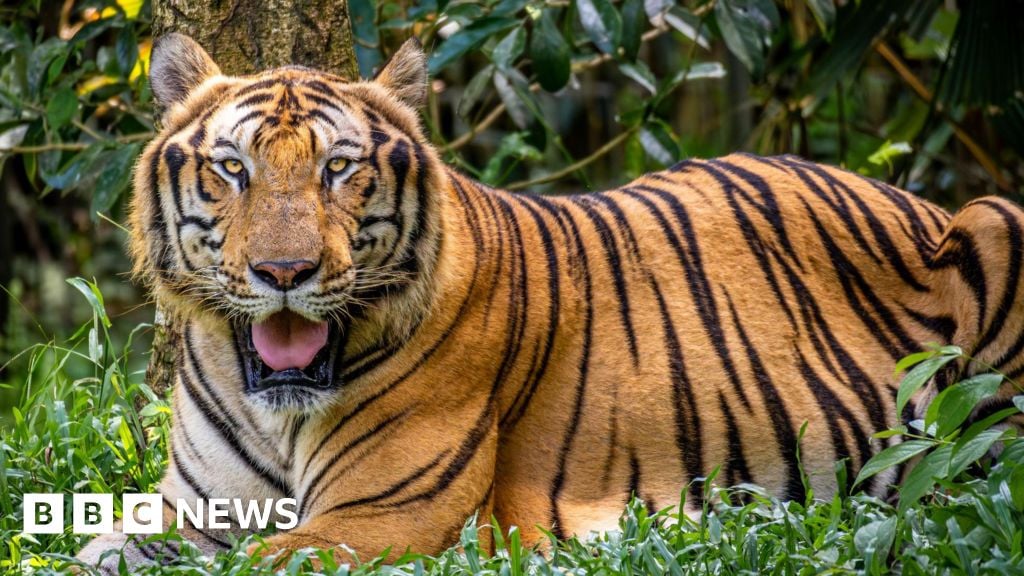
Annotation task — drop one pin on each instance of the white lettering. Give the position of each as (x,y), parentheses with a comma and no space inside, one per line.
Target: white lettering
(219,508)
(195,517)
(292,515)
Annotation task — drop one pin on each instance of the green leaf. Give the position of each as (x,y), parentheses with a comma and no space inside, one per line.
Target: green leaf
(703,70)
(61,108)
(475,89)
(115,177)
(875,538)
(967,451)
(746,27)
(549,54)
(73,172)
(824,14)
(697,71)
(659,143)
(889,151)
(687,24)
(634,156)
(467,39)
(918,377)
(602,23)
(890,432)
(954,404)
(862,23)
(39,62)
(913,359)
(126,50)
(509,49)
(513,89)
(94,296)
(8,40)
(363,16)
(1018,401)
(95,28)
(641,74)
(922,477)
(513,147)
(507,7)
(892,456)
(632,28)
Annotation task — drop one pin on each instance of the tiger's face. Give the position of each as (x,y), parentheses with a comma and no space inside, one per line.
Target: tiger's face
(283,203)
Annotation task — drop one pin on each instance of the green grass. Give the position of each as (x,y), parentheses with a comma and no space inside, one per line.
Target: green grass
(77,427)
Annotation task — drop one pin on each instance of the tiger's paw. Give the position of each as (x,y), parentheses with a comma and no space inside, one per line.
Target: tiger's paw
(283,548)
(104,553)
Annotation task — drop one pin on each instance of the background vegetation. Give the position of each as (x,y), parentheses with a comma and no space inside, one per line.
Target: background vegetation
(553,96)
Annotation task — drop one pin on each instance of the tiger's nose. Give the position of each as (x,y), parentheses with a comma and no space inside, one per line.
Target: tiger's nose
(285,275)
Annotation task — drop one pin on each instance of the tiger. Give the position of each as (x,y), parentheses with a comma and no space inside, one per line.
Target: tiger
(398,347)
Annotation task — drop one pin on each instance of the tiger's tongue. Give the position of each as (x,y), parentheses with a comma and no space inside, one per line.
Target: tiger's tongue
(287,340)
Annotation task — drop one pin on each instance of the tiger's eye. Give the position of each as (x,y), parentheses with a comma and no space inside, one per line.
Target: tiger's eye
(233,166)
(337,164)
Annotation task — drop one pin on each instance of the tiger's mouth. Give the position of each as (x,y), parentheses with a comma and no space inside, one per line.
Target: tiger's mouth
(287,359)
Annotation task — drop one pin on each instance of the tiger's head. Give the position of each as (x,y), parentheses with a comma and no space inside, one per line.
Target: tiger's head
(284,205)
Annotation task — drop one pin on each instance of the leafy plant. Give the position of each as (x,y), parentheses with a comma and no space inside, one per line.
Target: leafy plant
(84,422)
(946,442)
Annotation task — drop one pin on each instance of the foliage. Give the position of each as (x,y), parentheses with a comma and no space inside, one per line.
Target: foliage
(960,510)
(78,427)
(74,108)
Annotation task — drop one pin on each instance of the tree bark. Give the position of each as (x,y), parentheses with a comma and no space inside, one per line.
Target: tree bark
(246,36)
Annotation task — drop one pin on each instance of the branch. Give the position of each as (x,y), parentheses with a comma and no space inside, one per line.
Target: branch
(583,162)
(139,137)
(925,94)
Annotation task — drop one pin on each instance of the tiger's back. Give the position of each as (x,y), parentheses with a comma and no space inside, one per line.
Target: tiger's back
(712,309)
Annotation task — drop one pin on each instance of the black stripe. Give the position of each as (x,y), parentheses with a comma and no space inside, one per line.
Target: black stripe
(187,477)
(554,297)
(313,492)
(616,269)
(944,326)
(558,482)
(958,250)
(221,421)
(736,469)
(892,254)
(322,101)
(687,416)
(250,116)
(853,282)
(394,488)
(157,225)
(255,99)
(768,207)
(775,406)
(691,261)
(834,413)
(1014,253)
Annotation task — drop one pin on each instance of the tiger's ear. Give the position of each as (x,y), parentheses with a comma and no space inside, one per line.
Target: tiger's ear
(178,64)
(405,74)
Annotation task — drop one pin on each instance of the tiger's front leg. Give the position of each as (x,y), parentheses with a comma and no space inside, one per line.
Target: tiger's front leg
(413,490)
(105,551)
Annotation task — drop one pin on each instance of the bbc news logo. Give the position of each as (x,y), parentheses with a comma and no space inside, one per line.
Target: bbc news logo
(144,513)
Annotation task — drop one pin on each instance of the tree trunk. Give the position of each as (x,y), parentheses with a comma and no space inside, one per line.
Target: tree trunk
(246,36)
